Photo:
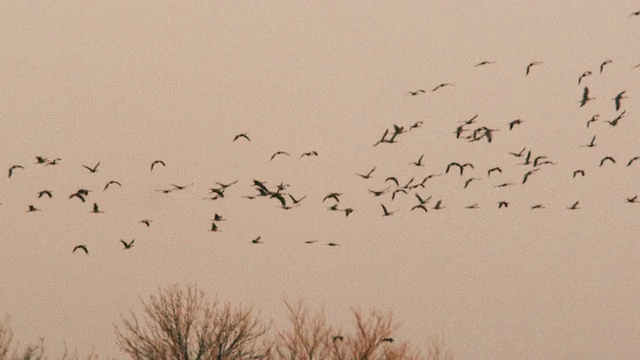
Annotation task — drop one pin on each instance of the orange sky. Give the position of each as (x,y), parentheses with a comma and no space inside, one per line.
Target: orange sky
(125,84)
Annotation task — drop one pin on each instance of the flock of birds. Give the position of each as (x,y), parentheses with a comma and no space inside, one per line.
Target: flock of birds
(392,187)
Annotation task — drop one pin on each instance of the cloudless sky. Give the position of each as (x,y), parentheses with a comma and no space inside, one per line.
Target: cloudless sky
(125,84)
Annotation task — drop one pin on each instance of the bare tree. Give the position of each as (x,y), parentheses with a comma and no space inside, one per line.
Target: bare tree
(34,351)
(181,324)
(310,337)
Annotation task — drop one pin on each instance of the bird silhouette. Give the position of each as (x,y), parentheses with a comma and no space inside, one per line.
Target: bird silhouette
(333,244)
(96,210)
(637,13)
(334,196)
(438,205)
(585,97)
(578,172)
(32,208)
(532,64)
(529,173)
(584,74)
(180,187)
(537,206)
(606,62)
(112,182)
(256,240)
(502,204)
(81,247)
(420,206)
(241,135)
(518,154)
(146,222)
(14,167)
(156,162)
(482,63)
(45,192)
(619,98)
(441,86)
(632,160)
(128,245)
(218,217)
(592,143)
(472,206)
(78,195)
(310,153)
(92,169)
(607,158)
(387,212)
(214,227)
(466,183)
(498,169)
(574,206)
(514,123)
(632,200)
(367,175)
(417,92)
(594,118)
(419,162)
(379,192)
(614,122)
(278,153)
(296,201)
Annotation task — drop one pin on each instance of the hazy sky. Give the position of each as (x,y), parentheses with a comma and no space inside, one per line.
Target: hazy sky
(126,83)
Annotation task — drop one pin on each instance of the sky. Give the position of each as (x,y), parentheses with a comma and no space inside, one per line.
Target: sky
(125,84)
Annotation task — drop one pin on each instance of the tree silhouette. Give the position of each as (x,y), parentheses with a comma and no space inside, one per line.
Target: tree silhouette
(180,323)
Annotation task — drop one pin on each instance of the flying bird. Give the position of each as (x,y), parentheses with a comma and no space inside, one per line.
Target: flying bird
(584,74)
(146,222)
(441,86)
(529,173)
(96,210)
(482,63)
(632,200)
(438,205)
(514,123)
(531,65)
(153,164)
(128,245)
(256,240)
(632,160)
(419,162)
(367,175)
(112,182)
(387,212)
(180,187)
(606,62)
(594,118)
(417,92)
(592,143)
(585,97)
(637,13)
(614,122)
(81,247)
(537,206)
(214,227)
(310,153)
(333,196)
(92,169)
(278,153)
(45,192)
(333,244)
(13,168)
(241,135)
(578,172)
(518,154)
(619,98)
(466,183)
(32,208)
(607,158)
(574,206)
(494,169)
(502,204)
